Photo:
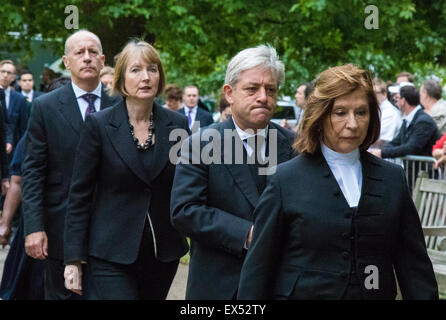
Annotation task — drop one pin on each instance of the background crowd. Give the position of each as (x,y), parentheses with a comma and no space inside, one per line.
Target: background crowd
(46,144)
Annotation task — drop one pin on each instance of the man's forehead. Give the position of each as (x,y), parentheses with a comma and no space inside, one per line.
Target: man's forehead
(7,66)
(83,40)
(258,75)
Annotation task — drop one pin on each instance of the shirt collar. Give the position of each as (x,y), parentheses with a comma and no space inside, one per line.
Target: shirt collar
(193,110)
(409,117)
(78,92)
(245,135)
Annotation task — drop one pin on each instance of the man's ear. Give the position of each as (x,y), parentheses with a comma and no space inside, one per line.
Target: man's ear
(228,91)
(66,62)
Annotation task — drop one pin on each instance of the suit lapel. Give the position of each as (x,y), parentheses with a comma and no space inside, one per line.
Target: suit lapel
(118,130)
(70,108)
(163,126)
(372,184)
(240,172)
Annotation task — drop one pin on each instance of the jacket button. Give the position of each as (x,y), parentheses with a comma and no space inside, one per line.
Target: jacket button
(337,194)
(345,235)
(345,255)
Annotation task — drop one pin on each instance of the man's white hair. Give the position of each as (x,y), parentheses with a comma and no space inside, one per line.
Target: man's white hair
(77,33)
(261,56)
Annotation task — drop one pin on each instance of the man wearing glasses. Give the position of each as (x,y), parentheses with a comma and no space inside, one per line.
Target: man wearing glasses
(15,105)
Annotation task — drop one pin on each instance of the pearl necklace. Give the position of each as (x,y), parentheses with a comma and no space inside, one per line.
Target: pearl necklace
(143,146)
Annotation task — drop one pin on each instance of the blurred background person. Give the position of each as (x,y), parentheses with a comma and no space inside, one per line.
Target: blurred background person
(47,77)
(106,77)
(389,114)
(15,106)
(224,108)
(26,83)
(434,105)
(405,77)
(328,214)
(197,116)
(118,229)
(174,97)
(23,276)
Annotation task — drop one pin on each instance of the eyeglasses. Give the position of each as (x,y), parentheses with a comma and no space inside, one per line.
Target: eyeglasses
(9,73)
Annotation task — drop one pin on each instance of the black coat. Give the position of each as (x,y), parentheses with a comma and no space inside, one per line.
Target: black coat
(4,170)
(302,235)
(417,139)
(54,130)
(17,117)
(213,205)
(111,192)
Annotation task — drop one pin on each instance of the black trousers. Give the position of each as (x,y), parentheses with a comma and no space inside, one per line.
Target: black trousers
(145,279)
(55,282)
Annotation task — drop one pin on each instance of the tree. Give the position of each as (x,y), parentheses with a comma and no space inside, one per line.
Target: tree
(196,38)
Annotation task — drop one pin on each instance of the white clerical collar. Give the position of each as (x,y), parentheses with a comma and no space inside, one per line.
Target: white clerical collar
(347,170)
(78,92)
(340,158)
(245,135)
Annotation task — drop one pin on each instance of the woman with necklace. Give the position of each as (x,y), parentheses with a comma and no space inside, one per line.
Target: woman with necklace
(118,241)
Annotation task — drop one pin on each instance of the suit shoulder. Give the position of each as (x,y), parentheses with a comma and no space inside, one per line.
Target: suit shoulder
(388,167)
(49,97)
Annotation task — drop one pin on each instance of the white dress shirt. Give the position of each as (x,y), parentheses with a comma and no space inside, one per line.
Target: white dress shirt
(82,103)
(193,114)
(347,170)
(245,135)
(29,95)
(7,96)
(390,121)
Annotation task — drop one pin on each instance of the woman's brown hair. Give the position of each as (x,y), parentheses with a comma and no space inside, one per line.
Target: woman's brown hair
(331,84)
(147,53)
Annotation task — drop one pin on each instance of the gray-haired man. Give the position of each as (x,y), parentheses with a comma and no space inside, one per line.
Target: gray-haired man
(212,203)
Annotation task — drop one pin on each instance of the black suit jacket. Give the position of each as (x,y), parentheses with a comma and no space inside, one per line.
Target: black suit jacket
(302,235)
(54,129)
(17,117)
(4,170)
(417,139)
(213,204)
(203,117)
(112,193)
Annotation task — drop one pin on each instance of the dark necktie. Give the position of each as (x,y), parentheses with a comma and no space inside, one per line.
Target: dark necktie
(189,118)
(256,143)
(90,98)
(404,128)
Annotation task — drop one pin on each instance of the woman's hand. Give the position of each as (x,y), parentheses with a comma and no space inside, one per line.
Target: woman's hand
(73,277)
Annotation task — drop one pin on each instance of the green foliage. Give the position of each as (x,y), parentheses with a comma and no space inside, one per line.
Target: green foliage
(198,37)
